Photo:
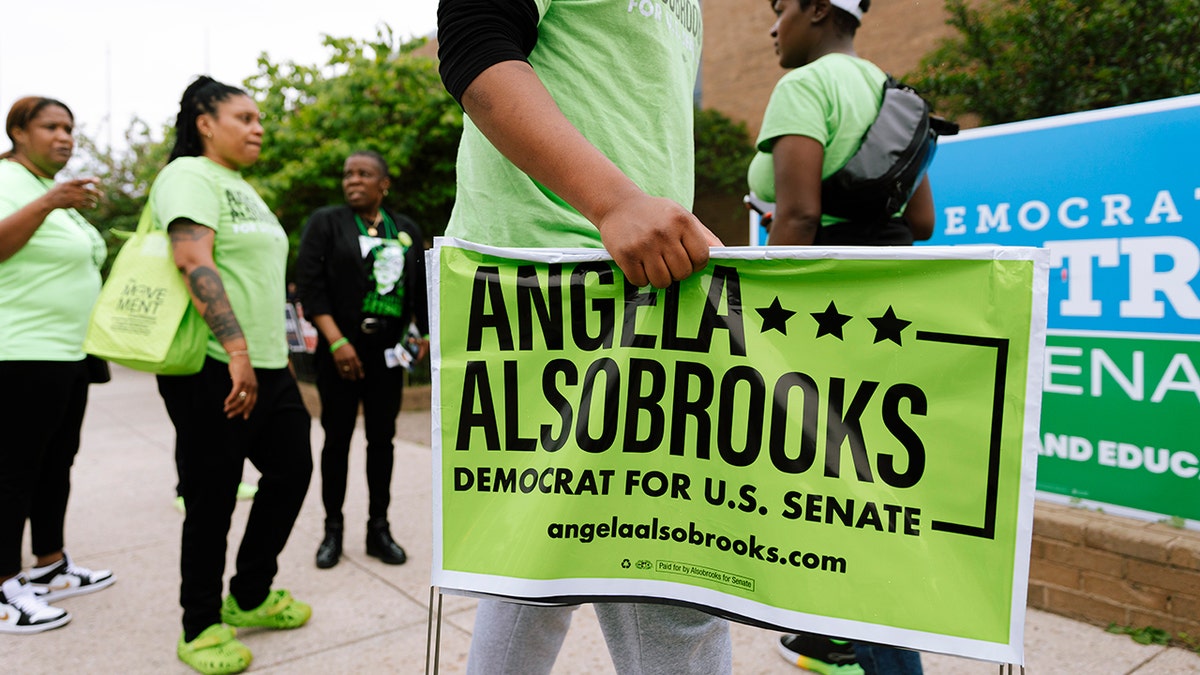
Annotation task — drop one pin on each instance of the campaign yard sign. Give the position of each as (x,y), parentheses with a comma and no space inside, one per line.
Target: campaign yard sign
(806,438)
(1115,196)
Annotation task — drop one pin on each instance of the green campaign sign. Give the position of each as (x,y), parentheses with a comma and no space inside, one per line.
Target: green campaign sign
(842,440)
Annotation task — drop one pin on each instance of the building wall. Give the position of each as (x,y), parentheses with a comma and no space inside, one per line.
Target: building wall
(429,49)
(1105,569)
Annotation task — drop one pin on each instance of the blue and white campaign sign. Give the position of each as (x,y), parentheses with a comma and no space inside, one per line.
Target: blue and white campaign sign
(1115,196)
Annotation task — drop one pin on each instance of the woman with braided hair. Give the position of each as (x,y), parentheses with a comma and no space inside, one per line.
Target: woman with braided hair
(244,403)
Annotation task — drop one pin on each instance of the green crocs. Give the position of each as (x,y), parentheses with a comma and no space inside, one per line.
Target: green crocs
(279,610)
(216,651)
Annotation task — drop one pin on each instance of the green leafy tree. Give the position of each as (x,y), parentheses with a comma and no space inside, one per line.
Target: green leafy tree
(371,95)
(723,153)
(1035,58)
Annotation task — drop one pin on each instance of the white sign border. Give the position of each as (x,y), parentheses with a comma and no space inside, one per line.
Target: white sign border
(1011,652)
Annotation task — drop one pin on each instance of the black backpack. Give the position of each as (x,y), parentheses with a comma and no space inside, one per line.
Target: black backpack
(895,153)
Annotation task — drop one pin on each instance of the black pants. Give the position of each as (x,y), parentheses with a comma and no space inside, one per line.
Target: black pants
(380,392)
(41,412)
(213,451)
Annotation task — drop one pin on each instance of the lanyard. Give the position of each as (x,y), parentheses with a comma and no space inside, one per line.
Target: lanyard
(389,228)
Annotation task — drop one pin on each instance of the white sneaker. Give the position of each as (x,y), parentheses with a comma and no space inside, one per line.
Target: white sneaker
(24,611)
(64,579)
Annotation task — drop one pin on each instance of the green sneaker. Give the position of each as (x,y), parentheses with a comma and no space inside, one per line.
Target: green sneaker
(246,491)
(819,654)
(216,651)
(279,610)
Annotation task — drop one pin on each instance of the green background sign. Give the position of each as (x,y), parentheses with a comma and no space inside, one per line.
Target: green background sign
(1095,387)
(1116,203)
(777,438)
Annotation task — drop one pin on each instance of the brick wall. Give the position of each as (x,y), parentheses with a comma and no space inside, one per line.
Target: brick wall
(1105,569)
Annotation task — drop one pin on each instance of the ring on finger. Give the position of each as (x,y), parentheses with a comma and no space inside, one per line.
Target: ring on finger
(242,395)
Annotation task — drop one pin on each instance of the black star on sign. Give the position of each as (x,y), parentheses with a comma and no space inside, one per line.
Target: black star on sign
(775,316)
(830,321)
(888,326)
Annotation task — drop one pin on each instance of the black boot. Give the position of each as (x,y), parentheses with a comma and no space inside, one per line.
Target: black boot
(381,545)
(330,550)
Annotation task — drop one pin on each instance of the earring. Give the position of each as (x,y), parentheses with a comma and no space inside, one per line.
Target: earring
(208,135)
(385,192)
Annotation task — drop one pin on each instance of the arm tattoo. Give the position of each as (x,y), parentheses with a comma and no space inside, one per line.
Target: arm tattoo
(184,231)
(207,287)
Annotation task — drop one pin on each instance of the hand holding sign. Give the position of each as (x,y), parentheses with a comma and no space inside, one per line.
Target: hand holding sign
(655,241)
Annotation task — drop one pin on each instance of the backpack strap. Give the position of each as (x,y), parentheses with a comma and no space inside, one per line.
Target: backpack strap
(894,154)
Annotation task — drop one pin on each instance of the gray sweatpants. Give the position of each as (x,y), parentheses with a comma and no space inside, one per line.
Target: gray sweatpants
(642,638)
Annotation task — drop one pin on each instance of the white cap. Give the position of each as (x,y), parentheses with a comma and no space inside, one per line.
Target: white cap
(849,6)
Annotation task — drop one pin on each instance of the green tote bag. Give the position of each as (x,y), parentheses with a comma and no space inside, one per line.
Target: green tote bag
(144,318)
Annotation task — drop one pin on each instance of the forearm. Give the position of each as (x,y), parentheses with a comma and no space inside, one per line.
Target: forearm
(793,229)
(349,367)
(514,110)
(192,248)
(328,327)
(209,297)
(919,214)
(17,229)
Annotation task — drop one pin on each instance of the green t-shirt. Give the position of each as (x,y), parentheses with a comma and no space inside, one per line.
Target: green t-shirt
(47,288)
(623,73)
(832,100)
(250,249)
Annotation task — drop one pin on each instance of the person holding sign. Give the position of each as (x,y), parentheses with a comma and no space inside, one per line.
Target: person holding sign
(244,403)
(361,276)
(578,133)
(50,261)
(813,124)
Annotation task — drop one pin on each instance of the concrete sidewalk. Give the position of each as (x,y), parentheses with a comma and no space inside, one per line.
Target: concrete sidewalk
(368,617)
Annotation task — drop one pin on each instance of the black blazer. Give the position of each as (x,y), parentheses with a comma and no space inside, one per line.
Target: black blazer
(331,275)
